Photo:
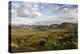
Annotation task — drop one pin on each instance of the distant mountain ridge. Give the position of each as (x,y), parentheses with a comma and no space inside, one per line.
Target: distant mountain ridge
(64,25)
(53,26)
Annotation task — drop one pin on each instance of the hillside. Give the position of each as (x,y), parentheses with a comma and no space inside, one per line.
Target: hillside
(42,38)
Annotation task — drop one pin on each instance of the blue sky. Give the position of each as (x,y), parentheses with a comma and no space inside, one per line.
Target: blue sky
(33,13)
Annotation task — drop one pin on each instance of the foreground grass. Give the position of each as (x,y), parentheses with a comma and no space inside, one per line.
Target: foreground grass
(26,40)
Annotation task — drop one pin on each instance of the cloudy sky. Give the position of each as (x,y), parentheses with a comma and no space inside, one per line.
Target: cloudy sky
(33,13)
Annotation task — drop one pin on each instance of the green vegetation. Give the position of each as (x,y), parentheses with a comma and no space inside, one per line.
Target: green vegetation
(28,39)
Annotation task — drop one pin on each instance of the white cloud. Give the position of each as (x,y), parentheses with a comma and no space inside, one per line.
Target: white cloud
(13,13)
(24,13)
(15,4)
(25,21)
(51,16)
(36,13)
(71,14)
(46,19)
(27,4)
(29,9)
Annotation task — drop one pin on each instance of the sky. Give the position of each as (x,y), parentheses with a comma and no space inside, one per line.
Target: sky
(34,13)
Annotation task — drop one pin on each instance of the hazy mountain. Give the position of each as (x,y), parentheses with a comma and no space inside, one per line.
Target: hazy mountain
(53,26)
(69,25)
(64,25)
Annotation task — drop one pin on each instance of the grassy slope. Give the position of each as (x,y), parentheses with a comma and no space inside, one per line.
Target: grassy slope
(24,40)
